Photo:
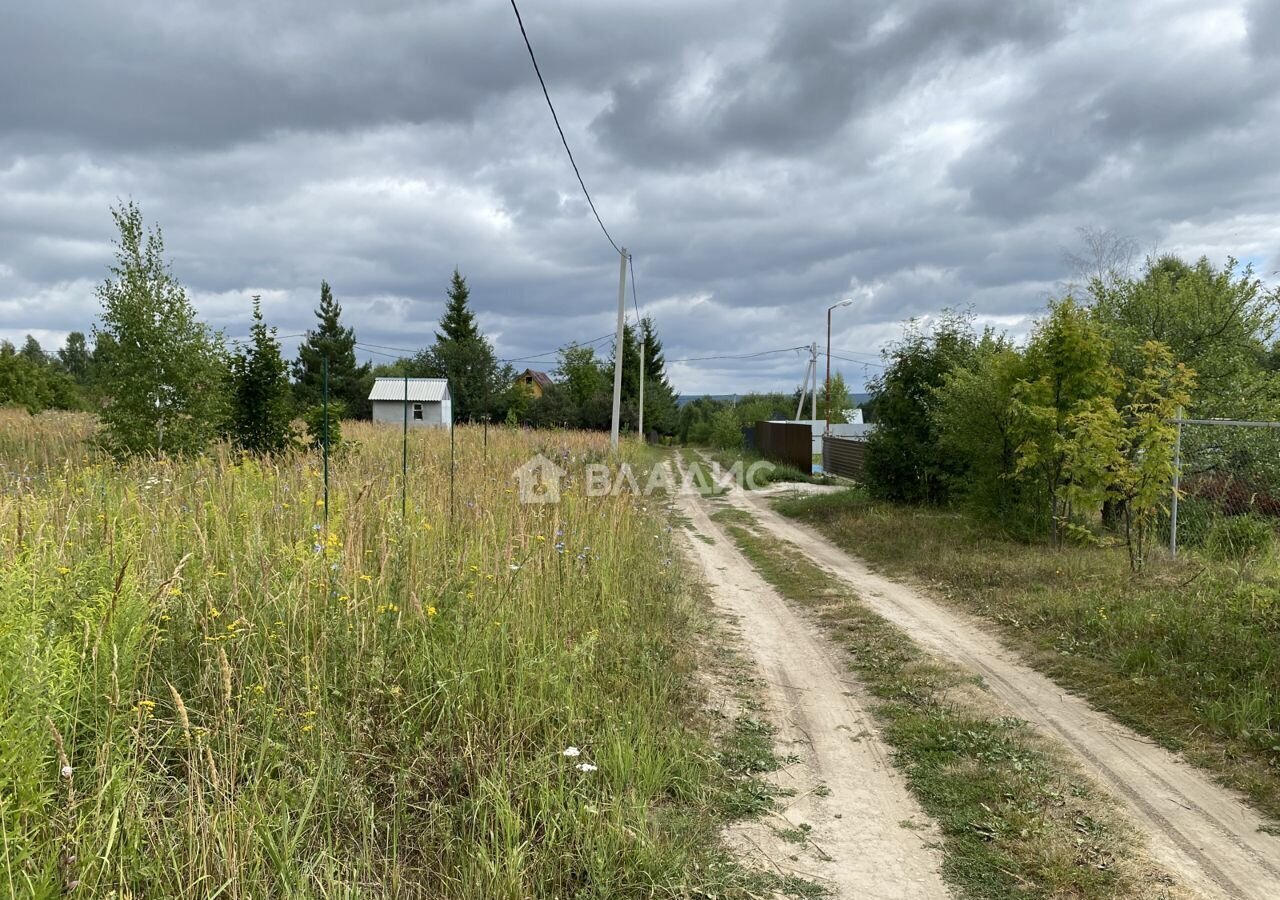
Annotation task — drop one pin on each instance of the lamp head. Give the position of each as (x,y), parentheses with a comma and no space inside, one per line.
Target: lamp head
(847,301)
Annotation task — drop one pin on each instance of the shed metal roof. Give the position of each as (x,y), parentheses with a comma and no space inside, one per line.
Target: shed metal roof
(420,390)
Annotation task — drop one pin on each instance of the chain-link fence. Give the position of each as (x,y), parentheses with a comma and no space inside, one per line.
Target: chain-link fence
(1226,497)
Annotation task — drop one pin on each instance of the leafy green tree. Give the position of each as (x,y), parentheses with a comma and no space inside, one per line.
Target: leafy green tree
(905,461)
(1147,467)
(261,397)
(1218,322)
(75,357)
(165,382)
(974,421)
(839,400)
(349,380)
(1065,415)
(586,387)
(480,387)
(725,431)
(33,353)
(34,386)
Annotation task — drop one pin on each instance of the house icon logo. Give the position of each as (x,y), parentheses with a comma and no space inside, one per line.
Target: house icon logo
(539,480)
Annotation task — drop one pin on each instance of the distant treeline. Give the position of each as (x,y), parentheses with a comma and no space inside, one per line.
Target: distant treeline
(164,381)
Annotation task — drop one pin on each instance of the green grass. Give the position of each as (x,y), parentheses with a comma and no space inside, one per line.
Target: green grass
(1188,653)
(1015,821)
(255,696)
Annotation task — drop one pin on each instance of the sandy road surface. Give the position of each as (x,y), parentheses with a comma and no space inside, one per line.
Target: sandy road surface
(869,839)
(1197,829)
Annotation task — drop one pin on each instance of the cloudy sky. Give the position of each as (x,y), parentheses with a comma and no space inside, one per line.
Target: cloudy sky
(761,158)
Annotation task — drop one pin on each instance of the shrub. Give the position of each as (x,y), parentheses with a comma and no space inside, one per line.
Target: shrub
(314,419)
(1239,537)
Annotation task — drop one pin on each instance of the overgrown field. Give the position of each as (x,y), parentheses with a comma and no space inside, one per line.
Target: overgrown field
(211,685)
(1188,652)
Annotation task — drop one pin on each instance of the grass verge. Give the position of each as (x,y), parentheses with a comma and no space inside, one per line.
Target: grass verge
(1188,654)
(1016,820)
(213,682)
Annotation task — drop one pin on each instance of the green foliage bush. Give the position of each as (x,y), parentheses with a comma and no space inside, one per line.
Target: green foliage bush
(725,432)
(313,418)
(1239,537)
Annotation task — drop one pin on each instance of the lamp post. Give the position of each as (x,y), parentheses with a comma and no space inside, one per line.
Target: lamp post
(846,302)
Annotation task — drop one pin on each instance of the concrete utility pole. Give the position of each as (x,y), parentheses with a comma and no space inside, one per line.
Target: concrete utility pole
(804,386)
(810,377)
(617,353)
(641,426)
(813,396)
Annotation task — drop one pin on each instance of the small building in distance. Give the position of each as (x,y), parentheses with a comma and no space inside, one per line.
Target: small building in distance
(534,381)
(426,400)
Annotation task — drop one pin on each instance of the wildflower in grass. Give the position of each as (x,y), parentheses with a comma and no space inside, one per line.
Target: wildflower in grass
(214,612)
(513,567)
(366,578)
(586,767)
(571,752)
(66,771)
(432,612)
(63,570)
(308,727)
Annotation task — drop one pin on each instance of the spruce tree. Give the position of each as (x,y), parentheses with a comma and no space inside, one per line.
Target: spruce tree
(349,382)
(261,410)
(75,357)
(458,324)
(478,385)
(660,406)
(164,386)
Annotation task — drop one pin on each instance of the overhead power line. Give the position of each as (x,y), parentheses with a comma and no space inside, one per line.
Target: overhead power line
(551,106)
(634,301)
(603,337)
(856,362)
(737,355)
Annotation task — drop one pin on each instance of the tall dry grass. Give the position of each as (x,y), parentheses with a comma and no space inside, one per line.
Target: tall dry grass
(206,690)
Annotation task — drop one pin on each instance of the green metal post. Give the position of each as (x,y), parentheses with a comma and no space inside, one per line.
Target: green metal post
(404,456)
(326,445)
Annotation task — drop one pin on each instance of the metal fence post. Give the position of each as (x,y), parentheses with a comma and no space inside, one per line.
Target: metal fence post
(1173,507)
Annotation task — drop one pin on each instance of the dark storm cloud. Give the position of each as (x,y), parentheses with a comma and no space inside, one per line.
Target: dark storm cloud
(762,159)
(823,64)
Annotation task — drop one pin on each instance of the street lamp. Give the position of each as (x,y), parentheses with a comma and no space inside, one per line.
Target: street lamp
(845,302)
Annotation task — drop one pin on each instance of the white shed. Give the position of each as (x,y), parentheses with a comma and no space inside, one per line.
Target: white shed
(427,400)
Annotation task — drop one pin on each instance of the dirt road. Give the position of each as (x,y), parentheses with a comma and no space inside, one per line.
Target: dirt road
(1200,831)
(853,826)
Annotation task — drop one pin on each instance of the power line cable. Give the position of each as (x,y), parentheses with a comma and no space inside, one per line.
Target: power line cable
(736,356)
(556,119)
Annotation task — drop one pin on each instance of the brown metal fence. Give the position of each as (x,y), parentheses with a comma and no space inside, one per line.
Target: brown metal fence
(844,457)
(786,442)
